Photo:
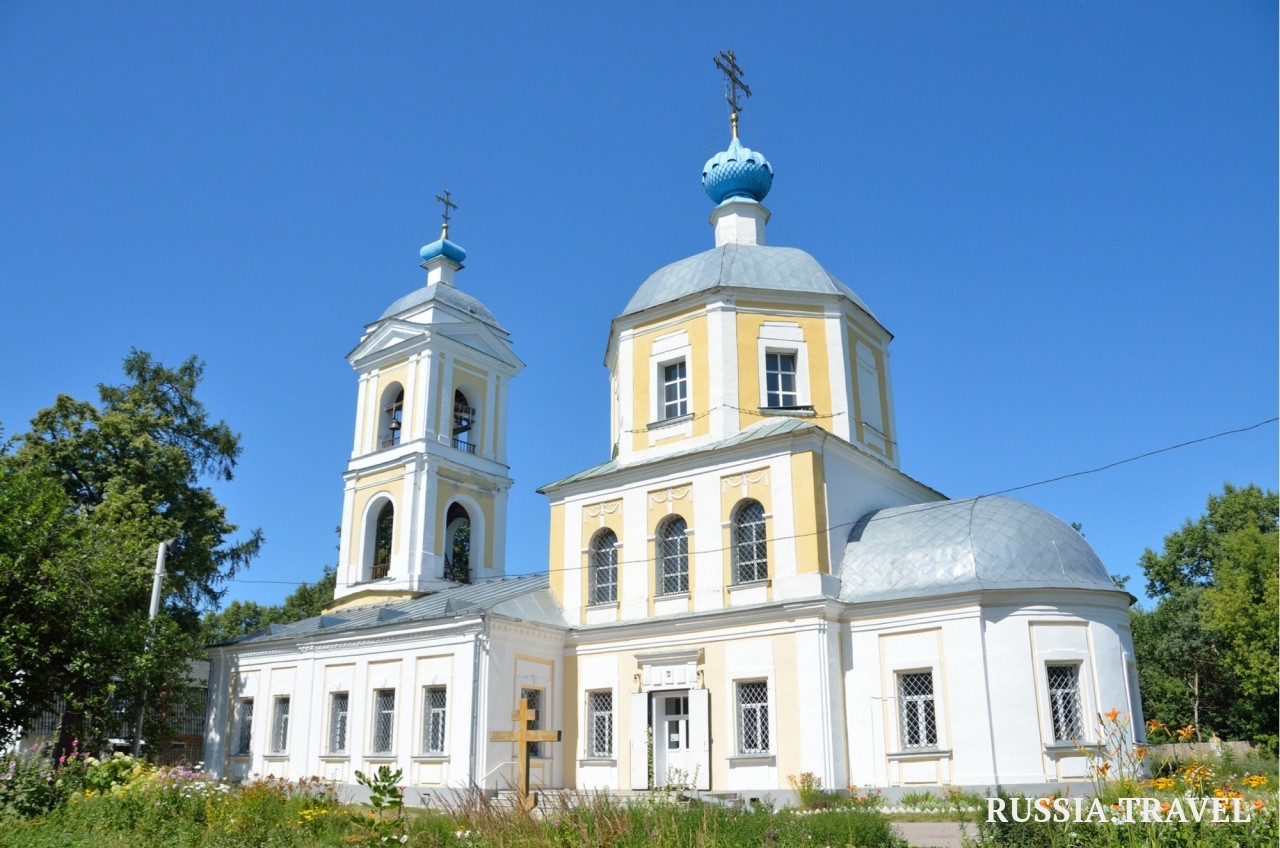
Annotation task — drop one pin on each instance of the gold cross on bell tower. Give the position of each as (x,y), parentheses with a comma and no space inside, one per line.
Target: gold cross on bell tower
(448,204)
(524,736)
(733,84)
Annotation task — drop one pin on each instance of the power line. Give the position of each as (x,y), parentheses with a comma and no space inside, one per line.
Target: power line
(927,505)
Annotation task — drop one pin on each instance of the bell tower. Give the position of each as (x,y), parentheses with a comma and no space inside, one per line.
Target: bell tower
(425,497)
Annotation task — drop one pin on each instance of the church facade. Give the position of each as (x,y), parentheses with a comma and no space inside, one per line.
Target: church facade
(749,588)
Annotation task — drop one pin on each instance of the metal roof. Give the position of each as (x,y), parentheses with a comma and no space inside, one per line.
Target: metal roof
(944,547)
(446,294)
(749,266)
(526,598)
(761,430)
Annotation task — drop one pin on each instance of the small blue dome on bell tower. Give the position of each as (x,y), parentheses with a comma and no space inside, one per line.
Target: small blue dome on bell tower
(737,172)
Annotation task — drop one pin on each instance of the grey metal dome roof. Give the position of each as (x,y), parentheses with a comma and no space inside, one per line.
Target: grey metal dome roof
(749,266)
(446,294)
(956,546)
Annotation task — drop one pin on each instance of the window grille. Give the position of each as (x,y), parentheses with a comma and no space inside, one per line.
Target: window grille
(339,703)
(753,717)
(604,568)
(384,720)
(673,557)
(780,380)
(534,698)
(433,720)
(675,390)
(280,726)
(915,710)
(750,551)
(244,721)
(1064,702)
(191,721)
(49,722)
(599,724)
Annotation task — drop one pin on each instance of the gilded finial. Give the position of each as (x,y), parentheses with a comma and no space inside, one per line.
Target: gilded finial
(448,204)
(733,84)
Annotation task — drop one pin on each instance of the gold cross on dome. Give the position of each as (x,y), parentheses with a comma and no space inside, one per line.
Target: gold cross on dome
(524,736)
(728,65)
(448,204)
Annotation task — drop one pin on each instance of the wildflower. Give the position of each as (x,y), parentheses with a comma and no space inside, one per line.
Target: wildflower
(1140,752)
(1104,768)
(1112,714)
(1258,806)
(1164,807)
(1184,734)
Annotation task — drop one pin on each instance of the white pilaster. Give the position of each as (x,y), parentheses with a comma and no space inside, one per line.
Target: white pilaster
(444,416)
(500,454)
(488,447)
(362,411)
(839,359)
(409,412)
(424,428)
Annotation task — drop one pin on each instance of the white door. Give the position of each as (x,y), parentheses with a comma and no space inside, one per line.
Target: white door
(671,762)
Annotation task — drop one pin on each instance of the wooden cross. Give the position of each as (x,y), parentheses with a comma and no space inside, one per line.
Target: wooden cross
(524,736)
(728,65)
(448,204)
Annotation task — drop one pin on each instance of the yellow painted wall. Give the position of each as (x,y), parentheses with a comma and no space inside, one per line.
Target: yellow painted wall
(713,676)
(446,491)
(571,748)
(608,514)
(786,694)
(750,379)
(473,386)
(390,482)
(810,504)
(395,373)
(679,501)
(755,484)
(642,381)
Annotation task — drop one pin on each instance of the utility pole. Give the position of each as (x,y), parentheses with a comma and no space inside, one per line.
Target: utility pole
(163,552)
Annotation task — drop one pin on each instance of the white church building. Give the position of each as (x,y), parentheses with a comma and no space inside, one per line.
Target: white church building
(748,589)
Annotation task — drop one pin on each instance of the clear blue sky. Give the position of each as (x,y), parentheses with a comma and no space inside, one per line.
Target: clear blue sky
(1065,212)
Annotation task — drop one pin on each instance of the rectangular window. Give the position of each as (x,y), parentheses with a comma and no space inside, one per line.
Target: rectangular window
(384,720)
(338,707)
(753,717)
(919,725)
(433,716)
(599,724)
(280,726)
(534,698)
(675,390)
(780,381)
(1064,702)
(244,726)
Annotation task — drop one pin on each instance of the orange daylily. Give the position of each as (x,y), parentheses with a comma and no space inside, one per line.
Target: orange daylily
(1112,713)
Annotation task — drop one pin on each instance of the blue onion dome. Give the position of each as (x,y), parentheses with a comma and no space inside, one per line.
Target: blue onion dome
(443,247)
(737,172)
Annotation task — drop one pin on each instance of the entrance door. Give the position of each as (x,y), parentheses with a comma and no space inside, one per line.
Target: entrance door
(672,765)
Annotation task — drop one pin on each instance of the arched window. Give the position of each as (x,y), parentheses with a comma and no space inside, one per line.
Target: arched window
(464,420)
(750,550)
(603,569)
(673,557)
(382,529)
(391,416)
(457,544)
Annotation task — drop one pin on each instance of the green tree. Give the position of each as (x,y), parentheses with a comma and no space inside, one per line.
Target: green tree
(1207,652)
(88,494)
(240,618)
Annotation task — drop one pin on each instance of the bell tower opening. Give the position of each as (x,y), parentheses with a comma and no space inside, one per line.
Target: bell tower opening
(391,417)
(464,419)
(383,528)
(457,544)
